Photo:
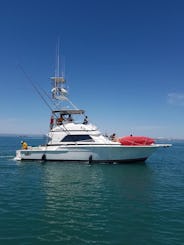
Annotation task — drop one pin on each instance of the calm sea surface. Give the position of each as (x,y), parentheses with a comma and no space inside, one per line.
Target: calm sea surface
(75,203)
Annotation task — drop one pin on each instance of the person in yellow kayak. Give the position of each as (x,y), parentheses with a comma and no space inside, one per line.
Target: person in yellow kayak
(24,145)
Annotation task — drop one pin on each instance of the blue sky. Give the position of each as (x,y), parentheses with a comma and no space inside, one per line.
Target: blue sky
(124,62)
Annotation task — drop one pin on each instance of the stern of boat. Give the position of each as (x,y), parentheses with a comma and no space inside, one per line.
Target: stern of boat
(18,156)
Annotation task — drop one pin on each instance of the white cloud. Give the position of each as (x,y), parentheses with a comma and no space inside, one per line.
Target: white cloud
(176,99)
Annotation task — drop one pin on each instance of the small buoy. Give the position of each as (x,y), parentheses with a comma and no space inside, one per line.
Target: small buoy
(90,159)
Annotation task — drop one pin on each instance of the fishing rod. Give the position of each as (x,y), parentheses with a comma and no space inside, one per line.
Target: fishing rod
(34,86)
(39,93)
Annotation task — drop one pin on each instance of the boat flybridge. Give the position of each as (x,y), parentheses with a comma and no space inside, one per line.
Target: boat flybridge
(73,138)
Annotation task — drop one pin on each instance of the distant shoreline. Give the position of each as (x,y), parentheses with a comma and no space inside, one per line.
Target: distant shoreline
(22,135)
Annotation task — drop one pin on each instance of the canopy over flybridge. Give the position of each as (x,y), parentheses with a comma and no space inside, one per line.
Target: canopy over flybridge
(68,112)
(58,79)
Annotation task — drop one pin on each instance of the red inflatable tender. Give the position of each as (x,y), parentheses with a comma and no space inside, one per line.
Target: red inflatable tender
(136,140)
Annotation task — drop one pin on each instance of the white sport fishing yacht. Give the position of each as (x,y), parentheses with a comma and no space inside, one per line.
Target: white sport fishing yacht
(73,138)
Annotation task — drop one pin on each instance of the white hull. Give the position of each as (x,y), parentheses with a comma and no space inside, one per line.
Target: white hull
(88,153)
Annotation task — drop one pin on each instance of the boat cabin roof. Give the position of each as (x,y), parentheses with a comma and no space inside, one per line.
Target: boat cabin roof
(69,112)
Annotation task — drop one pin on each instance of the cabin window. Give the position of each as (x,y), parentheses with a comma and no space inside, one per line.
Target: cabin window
(70,138)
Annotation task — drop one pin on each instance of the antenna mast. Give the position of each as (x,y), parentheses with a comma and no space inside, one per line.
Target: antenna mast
(59,91)
(58,48)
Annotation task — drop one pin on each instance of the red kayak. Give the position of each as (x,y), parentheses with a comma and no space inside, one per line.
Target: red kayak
(136,140)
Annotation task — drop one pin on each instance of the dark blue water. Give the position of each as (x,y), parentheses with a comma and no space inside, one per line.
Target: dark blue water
(75,203)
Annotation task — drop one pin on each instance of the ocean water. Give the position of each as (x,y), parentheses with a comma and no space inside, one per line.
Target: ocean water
(77,203)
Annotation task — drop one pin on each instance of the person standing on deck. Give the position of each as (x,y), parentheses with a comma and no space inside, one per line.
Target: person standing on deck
(24,145)
(51,122)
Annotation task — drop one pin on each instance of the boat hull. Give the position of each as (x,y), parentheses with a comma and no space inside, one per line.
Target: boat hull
(88,153)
